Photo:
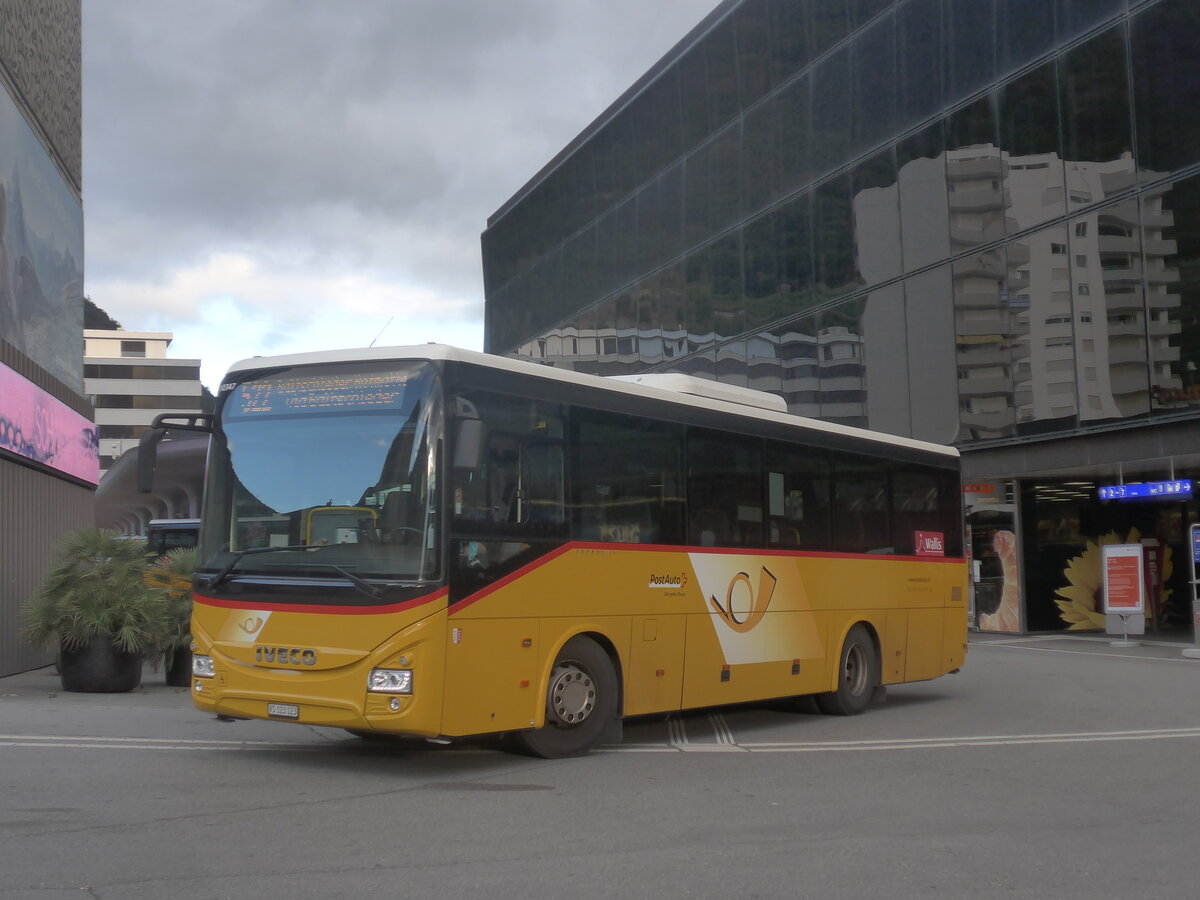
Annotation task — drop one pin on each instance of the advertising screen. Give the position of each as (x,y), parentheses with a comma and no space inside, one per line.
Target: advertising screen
(38,427)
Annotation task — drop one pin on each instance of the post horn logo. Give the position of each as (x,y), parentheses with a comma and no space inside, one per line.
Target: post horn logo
(739,620)
(251,624)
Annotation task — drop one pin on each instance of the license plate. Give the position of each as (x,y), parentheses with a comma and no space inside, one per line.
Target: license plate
(283,710)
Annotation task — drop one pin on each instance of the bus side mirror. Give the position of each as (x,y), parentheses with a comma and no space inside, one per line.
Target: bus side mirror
(148,459)
(148,444)
(468,444)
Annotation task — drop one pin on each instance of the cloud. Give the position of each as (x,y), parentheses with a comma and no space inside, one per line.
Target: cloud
(300,154)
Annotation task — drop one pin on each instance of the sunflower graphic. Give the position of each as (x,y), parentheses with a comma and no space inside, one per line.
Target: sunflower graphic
(1082,603)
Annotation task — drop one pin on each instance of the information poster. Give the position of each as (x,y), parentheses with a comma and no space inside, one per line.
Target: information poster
(1124,580)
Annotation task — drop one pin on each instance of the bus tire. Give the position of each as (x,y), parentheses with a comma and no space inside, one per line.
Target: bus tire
(858,676)
(581,703)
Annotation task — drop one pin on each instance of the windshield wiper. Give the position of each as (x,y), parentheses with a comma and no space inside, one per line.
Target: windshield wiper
(252,551)
(361,583)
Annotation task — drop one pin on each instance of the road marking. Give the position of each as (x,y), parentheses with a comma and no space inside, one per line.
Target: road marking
(1007,645)
(938,743)
(678,742)
(677,733)
(122,743)
(721,728)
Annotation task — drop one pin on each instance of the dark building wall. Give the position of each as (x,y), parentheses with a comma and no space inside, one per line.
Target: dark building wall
(972,221)
(37,510)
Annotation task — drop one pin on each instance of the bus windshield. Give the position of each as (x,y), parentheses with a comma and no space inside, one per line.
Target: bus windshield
(337,461)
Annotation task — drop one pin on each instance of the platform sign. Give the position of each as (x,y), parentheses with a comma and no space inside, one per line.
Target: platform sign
(1175,489)
(1124,580)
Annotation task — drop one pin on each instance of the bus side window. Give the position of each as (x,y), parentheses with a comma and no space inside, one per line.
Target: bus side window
(860,491)
(798,485)
(914,507)
(518,485)
(725,488)
(626,477)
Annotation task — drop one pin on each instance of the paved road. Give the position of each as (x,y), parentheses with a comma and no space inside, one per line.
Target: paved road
(1047,768)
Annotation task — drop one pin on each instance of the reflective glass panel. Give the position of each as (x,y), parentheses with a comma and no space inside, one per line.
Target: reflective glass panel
(831,115)
(876,207)
(752,25)
(795,345)
(1094,86)
(924,211)
(974,176)
(833,240)
(1165,40)
(984,328)
(873,85)
(1074,17)
(1170,227)
(1026,31)
(1107,288)
(930,338)
(841,346)
(793,112)
(793,232)
(920,67)
(970,46)
(720,62)
(790,46)
(1033,176)
(760,157)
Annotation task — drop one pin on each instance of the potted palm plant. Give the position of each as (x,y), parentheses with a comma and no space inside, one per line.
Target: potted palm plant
(171,575)
(96,606)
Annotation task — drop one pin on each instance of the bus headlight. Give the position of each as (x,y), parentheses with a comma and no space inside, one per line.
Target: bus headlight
(390,681)
(202,666)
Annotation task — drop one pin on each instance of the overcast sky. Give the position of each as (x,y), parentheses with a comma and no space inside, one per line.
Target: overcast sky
(272,176)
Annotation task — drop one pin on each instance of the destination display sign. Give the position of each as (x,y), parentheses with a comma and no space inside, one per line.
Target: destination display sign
(1176,489)
(314,390)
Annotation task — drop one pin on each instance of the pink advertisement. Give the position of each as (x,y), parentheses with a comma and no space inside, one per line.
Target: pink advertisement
(38,427)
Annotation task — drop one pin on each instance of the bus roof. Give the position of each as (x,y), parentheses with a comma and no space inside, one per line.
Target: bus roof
(656,388)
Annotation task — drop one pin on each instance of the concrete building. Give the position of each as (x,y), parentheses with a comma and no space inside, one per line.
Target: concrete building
(968,221)
(48,451)
(129,380)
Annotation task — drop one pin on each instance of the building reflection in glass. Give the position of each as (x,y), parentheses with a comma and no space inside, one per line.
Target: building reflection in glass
(1072,323)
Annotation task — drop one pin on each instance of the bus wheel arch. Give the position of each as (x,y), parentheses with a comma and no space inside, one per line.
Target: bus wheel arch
(858,673)
(582,697)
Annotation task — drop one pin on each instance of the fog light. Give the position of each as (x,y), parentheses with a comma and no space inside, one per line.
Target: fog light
(390,681)
(394,703)
(202,666)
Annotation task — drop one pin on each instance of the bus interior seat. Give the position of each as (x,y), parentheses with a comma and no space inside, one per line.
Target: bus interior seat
(710,528)
(394,516)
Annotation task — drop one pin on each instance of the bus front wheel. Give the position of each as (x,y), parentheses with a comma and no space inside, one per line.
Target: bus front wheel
(858,676)
(581,702)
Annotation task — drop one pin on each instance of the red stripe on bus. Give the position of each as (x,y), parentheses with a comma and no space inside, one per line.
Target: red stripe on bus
(511,577)
(352,610)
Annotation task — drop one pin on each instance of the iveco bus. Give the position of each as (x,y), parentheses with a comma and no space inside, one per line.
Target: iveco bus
(433,542)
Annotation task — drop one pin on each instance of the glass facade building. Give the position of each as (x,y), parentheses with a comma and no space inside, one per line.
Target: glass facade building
(967,221)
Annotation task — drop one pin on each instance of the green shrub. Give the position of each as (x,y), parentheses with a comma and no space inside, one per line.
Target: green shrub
(97,589)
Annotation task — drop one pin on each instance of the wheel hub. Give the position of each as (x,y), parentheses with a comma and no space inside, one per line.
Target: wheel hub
(572,694)
(856,670)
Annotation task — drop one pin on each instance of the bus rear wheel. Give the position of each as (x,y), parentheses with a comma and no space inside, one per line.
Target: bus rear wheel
(858,676)
(581,702)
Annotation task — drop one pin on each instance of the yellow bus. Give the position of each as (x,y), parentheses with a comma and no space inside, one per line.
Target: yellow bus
(433,542)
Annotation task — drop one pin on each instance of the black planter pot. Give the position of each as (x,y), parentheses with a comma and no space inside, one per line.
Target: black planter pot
(179,668)
(99,668)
